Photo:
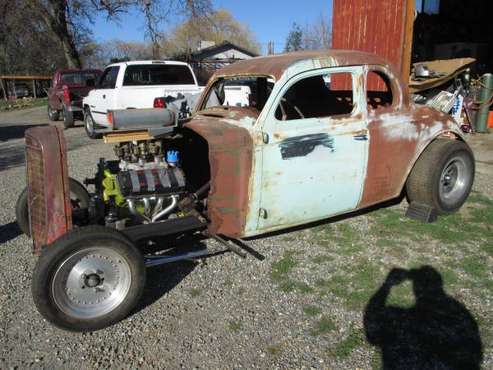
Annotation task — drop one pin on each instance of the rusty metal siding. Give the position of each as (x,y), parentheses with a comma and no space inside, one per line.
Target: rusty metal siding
(380,27)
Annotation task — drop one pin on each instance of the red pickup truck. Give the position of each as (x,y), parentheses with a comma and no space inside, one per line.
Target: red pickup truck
(69,86)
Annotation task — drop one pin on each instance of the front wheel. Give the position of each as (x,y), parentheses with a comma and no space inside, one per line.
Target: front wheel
(53,114)
(442,177)
(79,198)
(88,279)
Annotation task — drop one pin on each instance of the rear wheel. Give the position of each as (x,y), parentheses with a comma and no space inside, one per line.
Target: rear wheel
(79,198)
(88,279)
(442,177)
(53,114)
(68,118)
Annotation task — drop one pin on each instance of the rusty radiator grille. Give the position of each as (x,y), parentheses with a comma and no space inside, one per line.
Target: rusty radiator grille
(36,198)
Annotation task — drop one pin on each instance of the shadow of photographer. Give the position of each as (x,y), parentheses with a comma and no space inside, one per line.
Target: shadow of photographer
(438,332)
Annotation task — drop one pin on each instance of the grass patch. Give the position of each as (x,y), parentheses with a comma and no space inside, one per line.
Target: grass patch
(235,326)
(274,350)
(195,292)
(321,258)
(22,103)
(281,268)
(322,326)
(475,267)
(344,348)
(312,311)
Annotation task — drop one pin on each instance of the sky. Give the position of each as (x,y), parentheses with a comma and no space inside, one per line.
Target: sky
(269,20)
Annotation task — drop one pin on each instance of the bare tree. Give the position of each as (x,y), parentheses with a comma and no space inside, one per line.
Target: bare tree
(68,19)
(318,35)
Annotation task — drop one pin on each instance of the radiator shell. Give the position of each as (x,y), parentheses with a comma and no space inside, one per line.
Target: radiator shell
(50,211)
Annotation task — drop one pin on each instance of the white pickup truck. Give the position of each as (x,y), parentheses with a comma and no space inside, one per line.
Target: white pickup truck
(135,85)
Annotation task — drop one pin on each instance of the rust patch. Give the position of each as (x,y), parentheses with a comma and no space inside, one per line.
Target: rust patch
(395,146)
(230,159)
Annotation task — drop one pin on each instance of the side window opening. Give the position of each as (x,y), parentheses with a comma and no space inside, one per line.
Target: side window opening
(246,92)
(318,96)
(108,79)
(378,91)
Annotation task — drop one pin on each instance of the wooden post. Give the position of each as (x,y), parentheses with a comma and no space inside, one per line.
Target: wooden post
(3,90)
(34,89)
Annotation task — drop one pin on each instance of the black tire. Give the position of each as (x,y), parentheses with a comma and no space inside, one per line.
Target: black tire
(89,125)
(22,213)
(53,114)
(432,181)
(78,195)
(68,118)
(56,296)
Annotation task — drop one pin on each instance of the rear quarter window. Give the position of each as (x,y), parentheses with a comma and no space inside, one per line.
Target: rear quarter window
(157,74)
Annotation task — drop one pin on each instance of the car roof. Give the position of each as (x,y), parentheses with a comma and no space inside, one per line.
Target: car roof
(276,65)
(143,62)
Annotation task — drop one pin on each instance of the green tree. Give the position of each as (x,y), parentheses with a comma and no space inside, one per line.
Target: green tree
(218,27)
(294,41)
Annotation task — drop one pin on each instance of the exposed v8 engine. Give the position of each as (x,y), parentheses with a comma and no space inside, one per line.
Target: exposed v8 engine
(144,185)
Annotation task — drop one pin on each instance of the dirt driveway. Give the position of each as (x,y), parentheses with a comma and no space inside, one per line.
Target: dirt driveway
(322,296)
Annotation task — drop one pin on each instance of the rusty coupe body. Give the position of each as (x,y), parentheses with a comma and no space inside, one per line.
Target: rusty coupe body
(274,142)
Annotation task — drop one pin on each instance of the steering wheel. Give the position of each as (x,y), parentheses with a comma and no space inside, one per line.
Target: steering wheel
(289,104)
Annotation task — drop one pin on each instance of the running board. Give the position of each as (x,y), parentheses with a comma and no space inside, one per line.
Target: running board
(421,212)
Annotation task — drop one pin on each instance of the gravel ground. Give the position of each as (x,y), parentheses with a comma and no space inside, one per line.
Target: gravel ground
(225,312)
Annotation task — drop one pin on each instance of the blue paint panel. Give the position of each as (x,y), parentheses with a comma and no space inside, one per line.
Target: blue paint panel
(311,168)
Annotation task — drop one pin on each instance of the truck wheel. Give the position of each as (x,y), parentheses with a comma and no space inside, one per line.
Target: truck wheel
(79,198)
(88,279)
(442,177)
(90,125)
(68,118)
(53,114)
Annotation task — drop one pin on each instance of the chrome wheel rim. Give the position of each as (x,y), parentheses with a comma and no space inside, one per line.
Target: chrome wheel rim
(454,181)
(91,283)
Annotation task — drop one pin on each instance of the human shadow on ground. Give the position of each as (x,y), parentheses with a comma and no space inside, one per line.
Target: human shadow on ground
(9,231)
(438,332)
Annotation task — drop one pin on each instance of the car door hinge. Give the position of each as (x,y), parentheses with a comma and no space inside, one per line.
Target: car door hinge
(262,212)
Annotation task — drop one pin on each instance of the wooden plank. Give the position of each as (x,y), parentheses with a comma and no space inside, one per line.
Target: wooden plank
(14,77)
(118,137)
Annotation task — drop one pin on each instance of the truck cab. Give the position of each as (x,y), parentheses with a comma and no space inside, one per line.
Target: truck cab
(69,87)
(135,85)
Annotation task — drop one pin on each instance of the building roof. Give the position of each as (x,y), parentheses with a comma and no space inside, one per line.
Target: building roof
(276,65)
(219,48)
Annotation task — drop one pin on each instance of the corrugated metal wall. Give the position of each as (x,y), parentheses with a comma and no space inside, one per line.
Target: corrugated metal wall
(383,27)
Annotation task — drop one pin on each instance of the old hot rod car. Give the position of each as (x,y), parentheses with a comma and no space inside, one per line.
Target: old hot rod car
(317,134)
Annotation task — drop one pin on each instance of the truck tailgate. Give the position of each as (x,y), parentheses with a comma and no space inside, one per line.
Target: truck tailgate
(143,96)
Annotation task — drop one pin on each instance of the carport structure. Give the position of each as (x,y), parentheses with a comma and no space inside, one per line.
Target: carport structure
(7,84)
